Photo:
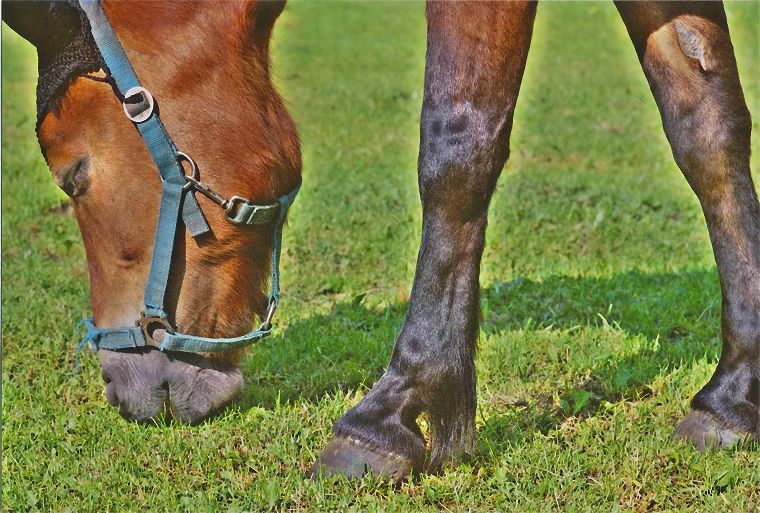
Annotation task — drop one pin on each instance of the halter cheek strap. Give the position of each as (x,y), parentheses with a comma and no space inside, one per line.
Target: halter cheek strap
(177,199)
(134,336)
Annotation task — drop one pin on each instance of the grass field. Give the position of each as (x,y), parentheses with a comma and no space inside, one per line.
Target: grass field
(601,302)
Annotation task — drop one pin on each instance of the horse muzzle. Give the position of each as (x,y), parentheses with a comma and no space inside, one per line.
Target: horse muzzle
(146,384)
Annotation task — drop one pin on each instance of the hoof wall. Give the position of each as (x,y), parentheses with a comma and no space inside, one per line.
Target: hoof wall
(707,432)
(353,459)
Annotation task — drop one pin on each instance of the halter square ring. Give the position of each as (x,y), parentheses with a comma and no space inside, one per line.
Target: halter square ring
(141,109)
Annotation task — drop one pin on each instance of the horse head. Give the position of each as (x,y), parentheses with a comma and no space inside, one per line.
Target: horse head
(207,65)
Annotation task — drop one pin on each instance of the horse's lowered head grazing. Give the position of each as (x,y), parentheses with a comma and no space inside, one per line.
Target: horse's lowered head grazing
(207,65)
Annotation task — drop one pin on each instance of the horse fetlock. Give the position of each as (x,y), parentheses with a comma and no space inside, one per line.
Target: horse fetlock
(726,411)
(451,421)
(379,435)
(732,397)
(386,419)
(385,422)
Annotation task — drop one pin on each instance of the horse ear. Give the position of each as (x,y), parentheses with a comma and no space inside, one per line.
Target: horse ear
(45,24)
(695,45)
(48,25)
(25,18)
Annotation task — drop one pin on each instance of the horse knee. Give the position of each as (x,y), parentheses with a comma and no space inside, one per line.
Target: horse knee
(462,151)
(691,67)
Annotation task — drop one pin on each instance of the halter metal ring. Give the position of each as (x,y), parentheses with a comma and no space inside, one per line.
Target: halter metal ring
(150,324)
(139,111)
(267,324)
(193,179)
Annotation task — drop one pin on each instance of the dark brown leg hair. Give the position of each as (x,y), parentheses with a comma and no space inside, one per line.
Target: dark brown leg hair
(687,56)
(475,61)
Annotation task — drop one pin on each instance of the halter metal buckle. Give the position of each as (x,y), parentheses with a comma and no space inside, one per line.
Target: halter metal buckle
(150,324)
(268,213)
(271,309)
(194,181)
(232,205)
(138,111)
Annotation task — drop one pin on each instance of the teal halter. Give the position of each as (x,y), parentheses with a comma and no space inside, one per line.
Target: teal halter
(177,200)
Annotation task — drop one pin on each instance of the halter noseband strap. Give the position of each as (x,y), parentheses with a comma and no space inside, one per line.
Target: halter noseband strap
(177,200)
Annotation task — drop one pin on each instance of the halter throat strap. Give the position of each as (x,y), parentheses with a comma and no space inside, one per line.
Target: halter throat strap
(177,200)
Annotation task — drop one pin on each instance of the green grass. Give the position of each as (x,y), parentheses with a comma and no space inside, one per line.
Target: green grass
(600,304)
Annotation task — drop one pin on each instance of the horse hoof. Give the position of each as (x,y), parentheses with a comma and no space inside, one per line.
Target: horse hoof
(707,432)
(353,459)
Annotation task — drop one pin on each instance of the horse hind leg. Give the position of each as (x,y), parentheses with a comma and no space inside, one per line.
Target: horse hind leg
(687,56)
(475,61)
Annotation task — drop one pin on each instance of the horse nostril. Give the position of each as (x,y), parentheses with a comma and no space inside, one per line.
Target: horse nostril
(111,395)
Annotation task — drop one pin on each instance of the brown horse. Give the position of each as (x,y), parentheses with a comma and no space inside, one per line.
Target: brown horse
(208,64)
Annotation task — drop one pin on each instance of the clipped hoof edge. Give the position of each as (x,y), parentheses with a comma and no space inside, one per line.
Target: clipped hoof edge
(706,432)
(353,459)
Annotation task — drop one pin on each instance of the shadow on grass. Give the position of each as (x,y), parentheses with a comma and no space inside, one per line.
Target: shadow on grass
(674,315)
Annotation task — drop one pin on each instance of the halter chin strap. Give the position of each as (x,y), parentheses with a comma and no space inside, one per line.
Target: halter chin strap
(177,200)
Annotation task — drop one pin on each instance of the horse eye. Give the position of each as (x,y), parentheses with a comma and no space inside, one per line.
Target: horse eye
(73,179)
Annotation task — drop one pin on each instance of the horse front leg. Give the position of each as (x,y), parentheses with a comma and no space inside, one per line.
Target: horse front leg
(475,60)
(687,56)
